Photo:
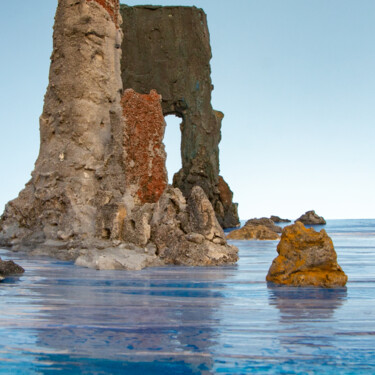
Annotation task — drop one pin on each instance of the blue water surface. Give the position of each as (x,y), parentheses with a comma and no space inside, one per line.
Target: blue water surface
(59,318)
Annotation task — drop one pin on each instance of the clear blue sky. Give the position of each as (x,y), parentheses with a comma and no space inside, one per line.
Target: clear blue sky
(294,78)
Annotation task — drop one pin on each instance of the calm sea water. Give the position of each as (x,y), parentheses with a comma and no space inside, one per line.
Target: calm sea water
(58,318)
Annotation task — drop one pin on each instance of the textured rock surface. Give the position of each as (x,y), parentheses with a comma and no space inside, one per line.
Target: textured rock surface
(8,267)
(144,154)
(277,219)
(311,218)
(187,232)
(253,232)
(256,229)
(78,181)
(98,192)
(306,258)
(266,222)
(168,49)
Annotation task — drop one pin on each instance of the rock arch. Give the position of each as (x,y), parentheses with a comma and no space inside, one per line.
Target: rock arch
(168,49)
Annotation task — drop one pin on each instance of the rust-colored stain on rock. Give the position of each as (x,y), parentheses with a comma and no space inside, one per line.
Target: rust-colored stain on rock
(306,258)
(144,152)
(112,7)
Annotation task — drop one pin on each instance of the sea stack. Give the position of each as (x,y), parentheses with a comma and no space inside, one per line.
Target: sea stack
(100,178)
(306,258)
(168,49)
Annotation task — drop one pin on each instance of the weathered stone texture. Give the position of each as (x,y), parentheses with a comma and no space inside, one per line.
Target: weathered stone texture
(168,49)
(144,154)
(306,258)
(253,232)
(187,232)
(112,7)
(98,193)
(256,229)
(79,179)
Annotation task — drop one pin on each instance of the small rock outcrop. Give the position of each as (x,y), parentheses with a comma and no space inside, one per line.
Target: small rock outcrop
(266,222)
(253,232)
(256,229)
(311,218)
(168,49)
(306,258)
(8,268)
(277,219)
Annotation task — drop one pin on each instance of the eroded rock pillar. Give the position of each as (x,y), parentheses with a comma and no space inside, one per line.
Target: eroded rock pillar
(168,49)
(78,181)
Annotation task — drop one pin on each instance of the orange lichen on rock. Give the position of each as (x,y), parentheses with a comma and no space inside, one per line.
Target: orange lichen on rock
(306,258)
(112,7)
(144,153)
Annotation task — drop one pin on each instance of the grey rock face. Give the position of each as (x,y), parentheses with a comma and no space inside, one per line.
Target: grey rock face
(311,218)
(168,49)
(188,233)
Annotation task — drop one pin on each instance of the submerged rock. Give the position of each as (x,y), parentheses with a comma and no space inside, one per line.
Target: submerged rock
(253,232)
(306,258)
(277,219)
(8,268)
(311,218)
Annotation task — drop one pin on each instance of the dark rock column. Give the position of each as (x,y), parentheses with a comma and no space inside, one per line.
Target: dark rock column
(168,49)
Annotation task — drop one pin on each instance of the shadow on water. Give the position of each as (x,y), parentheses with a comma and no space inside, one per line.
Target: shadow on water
(305,303)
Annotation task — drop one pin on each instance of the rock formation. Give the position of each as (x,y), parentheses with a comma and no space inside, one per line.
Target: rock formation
(277,219)
(144,154)
(266,222)
(99,193)
(306,258)
(8,268)
(253,232)
(258,229)
(168,49)
(311,218)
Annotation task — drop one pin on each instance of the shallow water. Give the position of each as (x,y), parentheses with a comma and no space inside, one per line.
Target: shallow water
(178,320)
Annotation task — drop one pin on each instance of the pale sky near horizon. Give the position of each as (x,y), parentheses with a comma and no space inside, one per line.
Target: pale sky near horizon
(294,78)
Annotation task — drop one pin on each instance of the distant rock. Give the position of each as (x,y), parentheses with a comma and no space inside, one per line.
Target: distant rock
(253,232)
(306,258)
(277,219)
(8,268)
(266,222)
(311,218)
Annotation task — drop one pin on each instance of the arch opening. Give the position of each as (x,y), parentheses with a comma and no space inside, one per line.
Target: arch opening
(172,143)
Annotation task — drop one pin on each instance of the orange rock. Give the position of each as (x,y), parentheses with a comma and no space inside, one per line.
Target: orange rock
(306,258)
(253,232)
(144,153)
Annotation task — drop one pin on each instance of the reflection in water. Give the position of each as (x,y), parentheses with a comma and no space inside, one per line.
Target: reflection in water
(305,303)
(159,317)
